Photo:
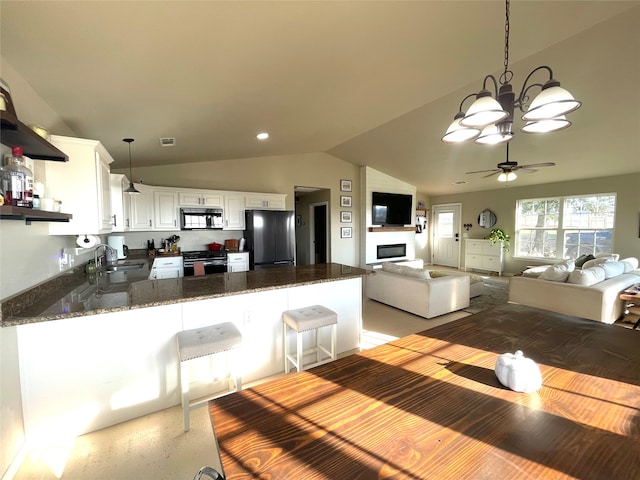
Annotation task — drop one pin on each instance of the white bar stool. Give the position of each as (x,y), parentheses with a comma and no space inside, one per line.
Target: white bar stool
(301,320)
(204,342)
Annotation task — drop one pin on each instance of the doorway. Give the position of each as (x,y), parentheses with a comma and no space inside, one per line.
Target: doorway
(313,220)
(446,235)
(318,247)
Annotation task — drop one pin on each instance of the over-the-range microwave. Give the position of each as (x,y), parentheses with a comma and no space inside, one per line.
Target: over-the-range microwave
(201,219)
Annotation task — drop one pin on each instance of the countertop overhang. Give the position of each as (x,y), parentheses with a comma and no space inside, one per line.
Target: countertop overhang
(76,294)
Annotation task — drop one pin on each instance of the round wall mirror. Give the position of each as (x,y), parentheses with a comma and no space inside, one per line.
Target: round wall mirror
(487,219)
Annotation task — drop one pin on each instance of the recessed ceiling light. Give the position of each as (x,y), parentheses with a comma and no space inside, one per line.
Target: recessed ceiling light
(262,136)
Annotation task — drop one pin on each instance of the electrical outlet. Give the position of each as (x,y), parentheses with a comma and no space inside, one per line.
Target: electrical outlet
(248,318)
(63,261)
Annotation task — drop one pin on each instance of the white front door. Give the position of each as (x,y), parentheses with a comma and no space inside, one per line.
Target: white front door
(446,235)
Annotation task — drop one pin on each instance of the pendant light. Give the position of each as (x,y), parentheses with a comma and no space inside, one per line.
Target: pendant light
(131,188)
(489,119)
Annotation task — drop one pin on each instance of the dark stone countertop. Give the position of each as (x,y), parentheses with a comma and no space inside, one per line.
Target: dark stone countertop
(77,294)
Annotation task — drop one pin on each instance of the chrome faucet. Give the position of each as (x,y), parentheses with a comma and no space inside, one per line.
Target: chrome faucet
(98,259)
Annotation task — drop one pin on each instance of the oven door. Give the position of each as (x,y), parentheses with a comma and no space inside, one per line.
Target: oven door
(209,268)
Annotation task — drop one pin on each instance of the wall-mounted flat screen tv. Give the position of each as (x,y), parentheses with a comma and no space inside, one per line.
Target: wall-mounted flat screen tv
(391,209)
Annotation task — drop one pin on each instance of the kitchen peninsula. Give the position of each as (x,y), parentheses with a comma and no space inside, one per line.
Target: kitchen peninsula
(86,363)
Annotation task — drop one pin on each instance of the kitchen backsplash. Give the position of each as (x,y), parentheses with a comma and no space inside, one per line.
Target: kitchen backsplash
(189,240)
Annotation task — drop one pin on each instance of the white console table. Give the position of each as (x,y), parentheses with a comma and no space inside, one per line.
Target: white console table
(482,255)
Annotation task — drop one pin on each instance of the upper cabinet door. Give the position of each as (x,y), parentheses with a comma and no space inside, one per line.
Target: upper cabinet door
(233,212)
(165,208)
(265,201)
(141,212)
(82,185)
(200,198)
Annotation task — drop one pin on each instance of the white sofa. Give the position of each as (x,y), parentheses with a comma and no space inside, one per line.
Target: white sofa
(593,299)
(409,289)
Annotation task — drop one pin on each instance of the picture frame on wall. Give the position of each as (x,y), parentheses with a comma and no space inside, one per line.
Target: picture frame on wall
(345,200)
(346,232)
(345,185)
(345,217)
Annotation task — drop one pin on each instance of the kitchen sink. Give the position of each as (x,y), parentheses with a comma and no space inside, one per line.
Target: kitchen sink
(124,266)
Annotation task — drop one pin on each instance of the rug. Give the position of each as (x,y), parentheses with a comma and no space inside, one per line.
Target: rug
(496,292)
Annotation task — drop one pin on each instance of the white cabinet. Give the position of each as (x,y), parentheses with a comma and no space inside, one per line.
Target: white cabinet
(233,212)
(165,210)
(265,201)
(167,267)
(141,210)
(120,203)
(238,262)
(83,185)
(200,198)
(482,255)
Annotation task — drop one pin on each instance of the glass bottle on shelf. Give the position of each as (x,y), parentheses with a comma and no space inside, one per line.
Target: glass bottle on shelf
(17,180)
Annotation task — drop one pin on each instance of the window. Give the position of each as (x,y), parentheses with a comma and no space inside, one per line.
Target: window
(565,227)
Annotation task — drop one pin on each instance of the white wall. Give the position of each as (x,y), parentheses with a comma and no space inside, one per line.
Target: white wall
(375,181)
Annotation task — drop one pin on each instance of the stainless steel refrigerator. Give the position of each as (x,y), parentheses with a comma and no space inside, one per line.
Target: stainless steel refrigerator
(271,239)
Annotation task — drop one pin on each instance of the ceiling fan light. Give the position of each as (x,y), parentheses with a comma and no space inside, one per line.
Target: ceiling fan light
(492,135)
(457,133)
(551,102)
(484,111)
(545,126)
(507,177)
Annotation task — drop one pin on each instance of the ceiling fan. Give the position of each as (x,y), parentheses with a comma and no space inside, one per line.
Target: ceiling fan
(506,169)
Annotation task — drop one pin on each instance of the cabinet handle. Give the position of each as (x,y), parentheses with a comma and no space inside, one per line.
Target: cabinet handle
(149,222)
(114,221)
(128,223)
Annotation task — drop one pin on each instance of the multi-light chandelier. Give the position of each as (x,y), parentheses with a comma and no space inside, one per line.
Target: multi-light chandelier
(489,119)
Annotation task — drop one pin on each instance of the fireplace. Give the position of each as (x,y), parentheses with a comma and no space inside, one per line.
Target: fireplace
(392,250)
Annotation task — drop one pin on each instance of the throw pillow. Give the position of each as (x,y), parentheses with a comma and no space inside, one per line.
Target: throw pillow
(534,272)
(630,264)
(613,269)
(580,261)
(597,261)
(587,276)
(559,272)
(614,256)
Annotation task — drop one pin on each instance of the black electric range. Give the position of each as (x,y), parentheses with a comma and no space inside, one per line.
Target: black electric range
(214,261)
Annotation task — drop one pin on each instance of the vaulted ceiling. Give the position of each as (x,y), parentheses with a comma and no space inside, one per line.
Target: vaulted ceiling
(372,82)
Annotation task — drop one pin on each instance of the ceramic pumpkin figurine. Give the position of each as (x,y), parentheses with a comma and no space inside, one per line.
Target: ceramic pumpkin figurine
(517,372)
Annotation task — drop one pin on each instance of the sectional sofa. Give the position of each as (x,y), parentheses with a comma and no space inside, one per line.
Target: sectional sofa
(592,291)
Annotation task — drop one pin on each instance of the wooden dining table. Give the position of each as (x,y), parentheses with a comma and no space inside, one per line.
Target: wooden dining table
(429,406)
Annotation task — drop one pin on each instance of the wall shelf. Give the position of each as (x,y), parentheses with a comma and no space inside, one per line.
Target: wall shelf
(7,212)
(392,229)
(17,134)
